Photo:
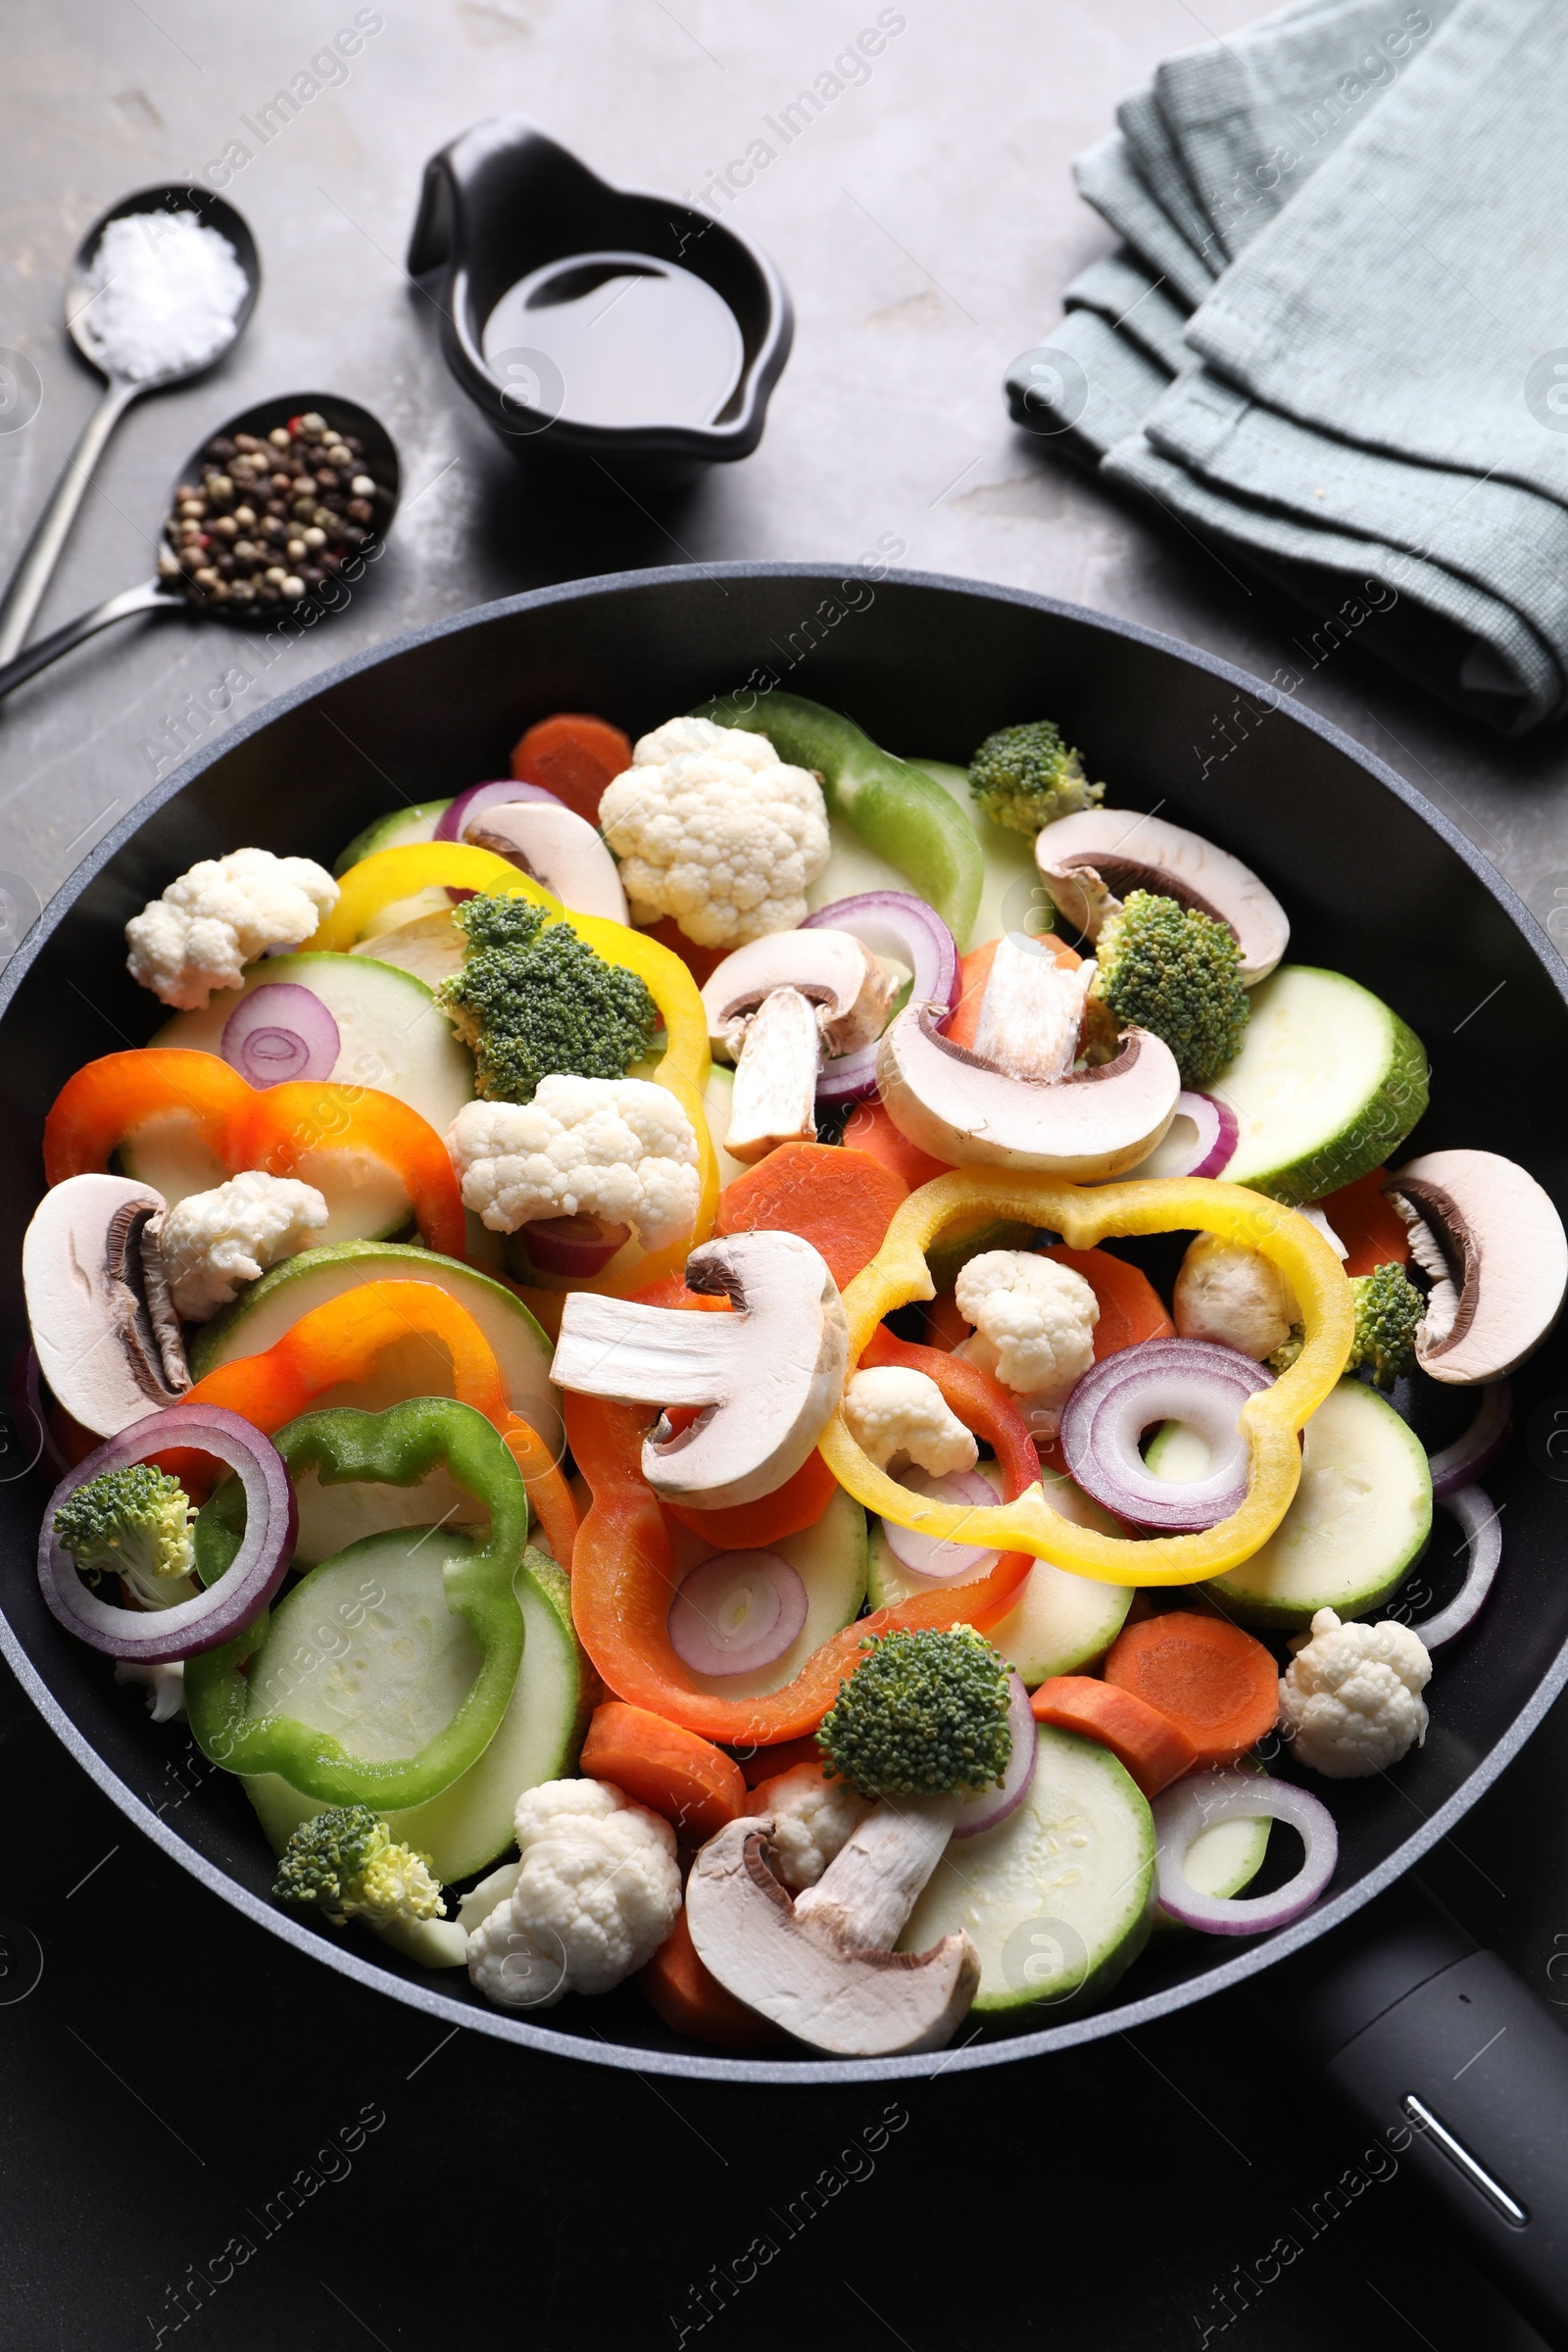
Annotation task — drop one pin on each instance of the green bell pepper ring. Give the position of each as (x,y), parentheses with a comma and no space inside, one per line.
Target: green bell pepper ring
(397,1449)
(897,809)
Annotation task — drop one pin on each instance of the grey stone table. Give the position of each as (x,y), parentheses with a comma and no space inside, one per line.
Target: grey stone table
(170,2074)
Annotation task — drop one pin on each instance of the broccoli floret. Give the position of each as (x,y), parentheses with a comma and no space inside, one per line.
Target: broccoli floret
(498,920)
(1166,969)
(133,1523)
(347,1863)
(923,1714)
(535,1002)
(1286,1354)
(1025,777)
(1388,1308)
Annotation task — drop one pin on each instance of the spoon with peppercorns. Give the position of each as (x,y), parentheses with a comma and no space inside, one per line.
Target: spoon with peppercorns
(274,515)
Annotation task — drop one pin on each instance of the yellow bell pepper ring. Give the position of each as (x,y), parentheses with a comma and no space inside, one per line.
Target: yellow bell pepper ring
(390,875)
(1084,1215)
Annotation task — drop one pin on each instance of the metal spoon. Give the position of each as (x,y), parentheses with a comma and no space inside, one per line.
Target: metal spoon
(33,574)
(380,461)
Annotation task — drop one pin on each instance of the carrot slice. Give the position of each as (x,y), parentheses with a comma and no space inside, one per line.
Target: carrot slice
(750,1526)
(1202,1674)
(869,1129)
(672,1771)
(1154,1750)
(575,757)
(840,1202)
(1131,1310)
(691,2000)
(975,971)
(1368,1224)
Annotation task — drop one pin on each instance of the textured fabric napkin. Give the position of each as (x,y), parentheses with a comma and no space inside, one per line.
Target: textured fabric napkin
(1334,341)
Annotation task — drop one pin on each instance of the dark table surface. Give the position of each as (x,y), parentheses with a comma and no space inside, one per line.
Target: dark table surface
(172,2072)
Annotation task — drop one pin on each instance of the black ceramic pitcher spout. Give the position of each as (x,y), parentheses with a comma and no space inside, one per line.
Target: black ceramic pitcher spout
(587,321)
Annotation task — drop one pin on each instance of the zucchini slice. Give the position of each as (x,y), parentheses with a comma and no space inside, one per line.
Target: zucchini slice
(1360,1519)
(1057,1896)
(1328,1083)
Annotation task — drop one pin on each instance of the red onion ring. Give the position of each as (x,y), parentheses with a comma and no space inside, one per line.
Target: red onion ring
(454,818)
(1470,1458)
(989,1807)
(1218,1133)
(1161,1379)
(1203,1799)
(1476,1515)
(890,922)
(156,1637)
(925,1555)
(280,1031)
(737,1612)
(578,1247)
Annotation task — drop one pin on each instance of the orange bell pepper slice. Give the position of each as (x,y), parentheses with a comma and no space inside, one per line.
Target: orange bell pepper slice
(243,1126)
(341,1340)
(623,1578)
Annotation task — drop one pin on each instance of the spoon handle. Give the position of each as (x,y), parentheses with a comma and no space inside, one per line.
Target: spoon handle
(148,597)
(31,576)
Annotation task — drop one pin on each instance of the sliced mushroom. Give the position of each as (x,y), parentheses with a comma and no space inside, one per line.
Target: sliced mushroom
(431,946)
(1093,1124)
(820,1965)
(555,846)
(1031,1012)
(1092,862)
(767,1377)
(777,1006)
(105,1329)
(1495,1247)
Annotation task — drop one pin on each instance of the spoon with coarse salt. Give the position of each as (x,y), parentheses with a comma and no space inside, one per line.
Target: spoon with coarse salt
(160,287)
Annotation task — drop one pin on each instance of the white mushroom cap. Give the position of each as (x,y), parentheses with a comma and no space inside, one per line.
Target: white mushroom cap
(106,1332)
(777,1006)
(769,1376)
(1093,860)
(1494,1245)
(832,969)
(557,847)
(816,1975)
(1090,1125)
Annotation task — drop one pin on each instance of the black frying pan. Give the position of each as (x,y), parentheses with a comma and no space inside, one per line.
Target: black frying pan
(1376,883)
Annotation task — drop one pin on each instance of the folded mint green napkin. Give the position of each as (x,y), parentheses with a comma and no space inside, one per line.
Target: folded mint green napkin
(1334,342)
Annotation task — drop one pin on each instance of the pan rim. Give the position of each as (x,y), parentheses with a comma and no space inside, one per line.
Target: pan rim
(805,2071)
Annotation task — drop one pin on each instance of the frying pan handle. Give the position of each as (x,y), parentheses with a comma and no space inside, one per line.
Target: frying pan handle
(1448,2053)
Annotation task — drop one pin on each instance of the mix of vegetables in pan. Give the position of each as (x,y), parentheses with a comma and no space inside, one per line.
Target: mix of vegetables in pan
(688,1392)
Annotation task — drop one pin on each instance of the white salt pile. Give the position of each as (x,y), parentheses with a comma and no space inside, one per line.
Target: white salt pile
(164,294)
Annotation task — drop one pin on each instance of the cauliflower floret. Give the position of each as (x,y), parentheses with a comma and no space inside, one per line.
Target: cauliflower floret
(213,1242)
(1235,1297)
(165,1685)
(621,1149)
(596,1895)
(814,1818)
(1351,1698)
(710,826)
(1034,1323)
(893,1414)
(212,923)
